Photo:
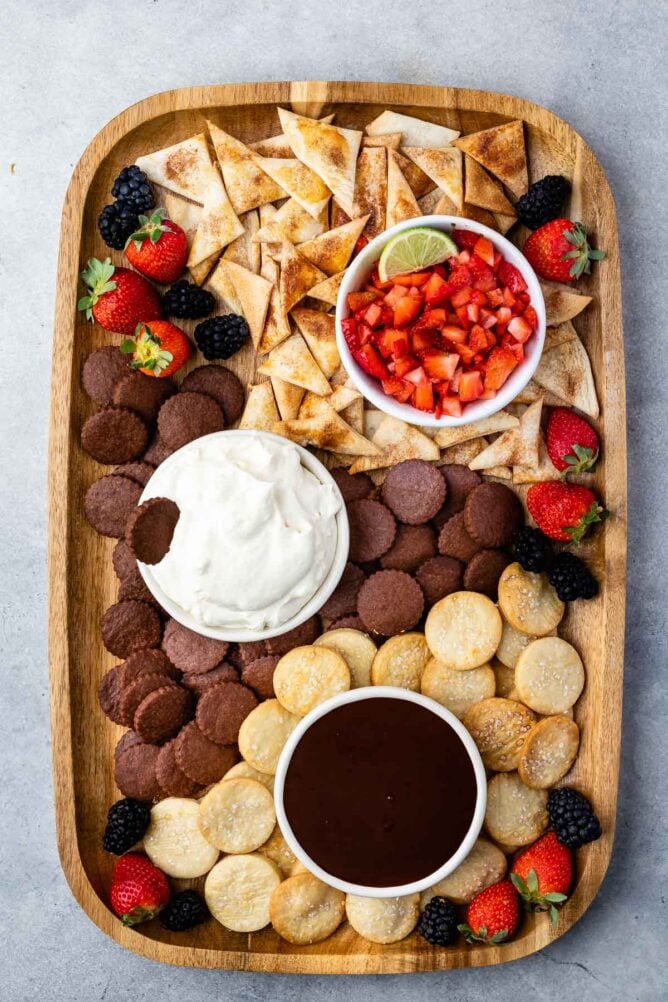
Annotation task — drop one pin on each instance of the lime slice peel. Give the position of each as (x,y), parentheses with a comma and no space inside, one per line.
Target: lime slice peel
(413,250)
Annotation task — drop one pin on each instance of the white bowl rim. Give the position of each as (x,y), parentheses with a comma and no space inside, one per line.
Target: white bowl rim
(376,692)
(478,409)
(239,635)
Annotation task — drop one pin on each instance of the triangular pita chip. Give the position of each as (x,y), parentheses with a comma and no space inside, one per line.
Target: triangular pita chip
(533,391)
(483,190)
(435,203)
(292,222)
(371,189)
(566,371)
(328,150)
(247,185)
(415,131)
(543,470)
(199,272)
(243,250)
(504,223)
(372,421)
(299,182)
(396,441)
(331,251)
(559,334)
(298,276)
(288,397)
(501,151)
(483,216)
(420,183)
(337,217)
(319,331)
(276,325)
(516,447)
(354,413)
(252,292)
(391,140)
(326,430)
(443,166)
(560,302)
(328,290)
(341,378)
(499,472)
(339,399)
(463,453)
(221,284)
(501,421)
(218,226)
(184,168)
(185,214)
(401,202)
(260,412)
(278,146)
(292,361)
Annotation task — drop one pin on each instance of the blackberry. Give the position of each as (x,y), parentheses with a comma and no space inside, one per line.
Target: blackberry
(221,337)
(571,578)
(572,817)
(116,223)
(543,201)
(438,922)
(132,186)
(127,820)
(187,300)
(532,549)
(183,911)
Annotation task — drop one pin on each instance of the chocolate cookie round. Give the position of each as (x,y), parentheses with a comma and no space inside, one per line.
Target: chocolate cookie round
(202,760)
(127,740)
(109,502)
(129,626)
(135,691)
(413,491)
(372,529)
(192,652)
(222,710)
(162,713)
(353,486)
(348,623)
(147,662)
(343,599)
(143,394)
(242,654)
(413,545)
(187,416)
(439,577)
(300,636)
(135,772)
(150,528)
(259,676)
(101,371)
(390,602)
(459,482)
(171,778)
(114,435)
(492,514)
(139,471)
(125,564)
(221,384)
(199,683)
(157,452)
(109,693)
(484,570)
(454,540)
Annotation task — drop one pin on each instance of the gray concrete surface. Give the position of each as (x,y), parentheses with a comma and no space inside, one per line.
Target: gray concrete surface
(65,69)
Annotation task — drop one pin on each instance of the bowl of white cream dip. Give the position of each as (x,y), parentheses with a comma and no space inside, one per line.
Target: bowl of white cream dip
(261,540)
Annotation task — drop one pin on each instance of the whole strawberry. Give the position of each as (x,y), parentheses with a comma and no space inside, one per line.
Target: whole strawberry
(559,251)
(564,511)
(158,349)
(542,874)
(492,915)
(139,890)
(118,298)
(572,443)
(158,248)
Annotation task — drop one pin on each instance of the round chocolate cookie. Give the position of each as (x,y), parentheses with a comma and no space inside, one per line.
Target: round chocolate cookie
(297,637)
(343,599)
(353,486)
(454,540)
(199,683)
(125,564)
(157,451)
(101,371)
(413,545)
(244,653)
(187,416)
(348,623)
(390,602)
(136,591)
(162,713)
(221,384)
(151,661)
(139,471)
(439,577)
(484,570)
(192,652)
(143,394)
(109,502)
(135,772)
(414,491)
(259,676)
(150,528)
(222,710)
(459,482)
(372,529)
(492,514)
(129,626)
(109,693)
(127,740)
(173,781)
(135,691)
(202,760)
(114,435)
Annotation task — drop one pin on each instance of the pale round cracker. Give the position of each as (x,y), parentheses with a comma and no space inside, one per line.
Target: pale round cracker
(529,602)
(305,910)
(458,691)
(549,675)
(463,630)
(512,644)
(263,734)
(307,676)
(383,920)
(238,890)
(499,727)
(505,680)
(548,752)
(242,770)
(356,648)
(174,842)
(237,815)
(516,815)
(484,865)
(278,850)
(401,661)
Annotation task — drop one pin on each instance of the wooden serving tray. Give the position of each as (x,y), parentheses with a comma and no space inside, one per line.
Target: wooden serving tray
(81,579)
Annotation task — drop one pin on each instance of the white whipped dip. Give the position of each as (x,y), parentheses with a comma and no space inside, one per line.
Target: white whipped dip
(256,535)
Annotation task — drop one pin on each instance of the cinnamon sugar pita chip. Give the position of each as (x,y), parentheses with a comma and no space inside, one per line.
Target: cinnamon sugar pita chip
(298,276)
(219,225)
(401,202)
(483,190)
(566,371)
(253,293)
(276,325)
(184,168)
(501,421)
(371,189)
(415,131)
(299,182)
(278,146)
(390,140)
(288,398)
(561,303)
(501,150)
(293,223)
(243,250)
(319,331)
(292,361)
(247,185)
(444,167)
(328,290)
(326,430)
(395,442)
(420,183)
(184,213)
(463,453)
(516,447)
(260,412)
(543,470)
(532,392)
(331,251)
(328,150)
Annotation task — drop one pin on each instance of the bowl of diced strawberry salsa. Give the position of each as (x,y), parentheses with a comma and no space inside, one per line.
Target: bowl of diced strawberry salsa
(445,344)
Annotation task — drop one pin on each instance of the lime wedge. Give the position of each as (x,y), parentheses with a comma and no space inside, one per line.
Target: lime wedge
(413,250)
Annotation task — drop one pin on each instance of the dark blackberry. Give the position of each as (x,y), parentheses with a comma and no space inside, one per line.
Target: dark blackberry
(116,223)
(438,922)
(571,578)
(184,910)
(543,201)
(532,549)
(572,817)
(221,337)
(132,186)
(127,820)
(188,301)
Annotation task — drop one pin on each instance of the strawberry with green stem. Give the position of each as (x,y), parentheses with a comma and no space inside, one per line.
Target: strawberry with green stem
(158,248)
(139,890)
(493,914)
(118,298)
(572,443)
(564,511)
(158,349)
(542,874)
(559,251)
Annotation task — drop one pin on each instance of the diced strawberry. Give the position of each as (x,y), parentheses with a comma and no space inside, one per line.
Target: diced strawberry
(503,314)
(423,398)
(463,316)
(484,249)
(498,258)
(487,395)
(465,238)
(406,311)
(349,328)
(369,360)
(531,317)
(360,244)
(520,329)
(470,386)
(473,312)
(511,276)
(399,388)
(454,333)
(451,406)
(392,297)
(404,364)
(486,283)
(462,277)
(478,297)
(487,318)
(517,350)
(431,320)
(417,376)
(373,315)
(392,343)
(436,291)
(360,300)
(439,365)
(454,382)
(439,269)
(415,278)
(383,286)
(461,297)
(491,338)
(477,339)
(508,298)
(495,297)
(365,334)
(464,353)
(422,340)
(500,364)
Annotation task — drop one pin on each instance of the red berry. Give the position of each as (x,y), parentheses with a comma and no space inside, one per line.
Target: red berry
(158,349)
(542,874)
(572,443)
(158,248)
(493,914)
(559,251)
(118,298)
(564,511)
(138,889)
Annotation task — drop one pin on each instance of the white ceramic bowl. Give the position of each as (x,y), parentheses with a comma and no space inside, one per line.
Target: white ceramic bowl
(354,279)
(321,595)
(377,692)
